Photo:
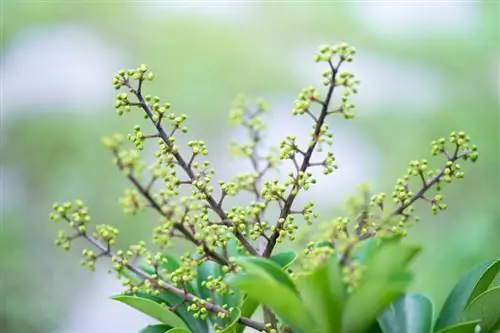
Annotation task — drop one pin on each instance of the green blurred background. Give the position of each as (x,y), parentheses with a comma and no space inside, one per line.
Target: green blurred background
(427,68)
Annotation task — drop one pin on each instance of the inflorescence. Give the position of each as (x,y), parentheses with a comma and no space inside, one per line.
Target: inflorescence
(200,214)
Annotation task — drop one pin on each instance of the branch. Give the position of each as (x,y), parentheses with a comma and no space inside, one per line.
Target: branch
(189,171)
(305,163)
(170,288)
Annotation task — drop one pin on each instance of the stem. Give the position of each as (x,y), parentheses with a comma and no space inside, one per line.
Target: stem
(183,294)
(189,171)
(305,163)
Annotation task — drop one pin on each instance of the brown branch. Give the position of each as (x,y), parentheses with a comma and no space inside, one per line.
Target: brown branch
(189,171)
(183,294)
(305,163)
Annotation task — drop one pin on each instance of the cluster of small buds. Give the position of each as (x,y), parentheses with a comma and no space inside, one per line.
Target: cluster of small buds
(314,254)
(237,112)
(326,52)
(216,285)
(63,241)
(273,190)
(269,329)
(346,105)
(106,233)
(323,136)
(162,234)
(129,161)
(304,100)
(258,229)
(176,122)
(158,110)
(198,308)
(461,141)
(288,228)
(167,151)
(303,180)
(308,213)
(241,149)
(122,104)
(215,236)
(112,142)
(347,80)
(229,188)
(89,259)
(351,275)
(76,214)
(186,272)
(378,200)
(437,204)
(123,77)
(132,202)
(198,147)
(329,164)
(288,147)
(137,138)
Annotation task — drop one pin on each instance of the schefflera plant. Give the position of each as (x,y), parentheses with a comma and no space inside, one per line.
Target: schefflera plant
(348,279)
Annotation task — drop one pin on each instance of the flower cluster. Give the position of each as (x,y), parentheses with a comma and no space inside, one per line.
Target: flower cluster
(191,206)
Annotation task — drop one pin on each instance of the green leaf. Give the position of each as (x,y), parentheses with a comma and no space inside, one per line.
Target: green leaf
(155,329)
(466,327)
(384,280)
(179,330)
(248,308)
(155,310)
(485,307)
(411,313)
(277,296)
(323,293)
(196,325)
(474,282)
(232,327)
(266,269)
(284,259)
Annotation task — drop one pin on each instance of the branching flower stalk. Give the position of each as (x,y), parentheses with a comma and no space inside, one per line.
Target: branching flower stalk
(220,233)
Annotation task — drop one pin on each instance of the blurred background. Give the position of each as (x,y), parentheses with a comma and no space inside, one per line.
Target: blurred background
(426,68)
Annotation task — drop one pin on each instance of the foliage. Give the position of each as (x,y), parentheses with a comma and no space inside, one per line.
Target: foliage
(355,271)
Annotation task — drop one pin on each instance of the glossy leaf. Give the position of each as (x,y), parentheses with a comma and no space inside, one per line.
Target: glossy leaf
(284,259)
(179,330)
(384,280)
(277,296)
(248,308)
(485,307)
(465,327)
(196,325)
(411,313)
(155,329)
(323,293)
(266,269)
(461,294)
(154,310)
(486,280)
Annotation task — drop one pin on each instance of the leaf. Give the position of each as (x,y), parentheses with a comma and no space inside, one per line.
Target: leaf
(179,330)
(467,327)
(384,280)
(486,280)
(205,270)
(248,308)
(155,310)
(284,259)
(469,284)
(366,250)
(155,329)
(411,313)
(232,327)
(277,296)
(265,269)
(485,307)
(196,325)
(323,294)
